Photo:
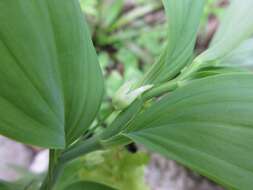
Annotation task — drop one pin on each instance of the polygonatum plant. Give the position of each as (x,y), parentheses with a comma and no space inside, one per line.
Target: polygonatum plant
(196,110)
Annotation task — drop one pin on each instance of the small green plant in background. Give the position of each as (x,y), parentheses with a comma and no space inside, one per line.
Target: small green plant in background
(115,167)
(196,110)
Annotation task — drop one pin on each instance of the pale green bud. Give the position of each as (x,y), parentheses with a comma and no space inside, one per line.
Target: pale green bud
(126,95)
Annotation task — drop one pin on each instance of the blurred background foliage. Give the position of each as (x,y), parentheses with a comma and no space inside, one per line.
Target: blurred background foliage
(100,167)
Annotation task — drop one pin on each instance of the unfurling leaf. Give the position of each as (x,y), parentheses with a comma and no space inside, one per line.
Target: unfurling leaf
(206,125)
(50,82)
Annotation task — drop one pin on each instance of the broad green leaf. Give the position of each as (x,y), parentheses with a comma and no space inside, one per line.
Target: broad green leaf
(82,185)
(50,82)
(236,26)
(241,56)
(184,18)
(206,125)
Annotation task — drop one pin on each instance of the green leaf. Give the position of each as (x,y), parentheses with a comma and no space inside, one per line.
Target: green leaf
(206,125)
(236,26)
(217,70)
(184,18)
(241,56)
(82,185)
(50,81)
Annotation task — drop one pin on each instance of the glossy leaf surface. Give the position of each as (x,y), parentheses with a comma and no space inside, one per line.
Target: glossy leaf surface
(50,82)
(206,125)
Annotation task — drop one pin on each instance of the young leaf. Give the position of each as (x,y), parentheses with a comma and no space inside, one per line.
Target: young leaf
(50,82)
(208,129)
(184,18)
(235,28)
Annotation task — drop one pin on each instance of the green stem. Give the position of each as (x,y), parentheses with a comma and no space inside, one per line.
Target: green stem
(160,90)
(122,119)
(49,180)
(80,149)
(56,162)
(190,70)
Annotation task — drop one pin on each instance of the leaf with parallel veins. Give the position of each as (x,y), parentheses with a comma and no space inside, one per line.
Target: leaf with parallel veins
(50,81)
